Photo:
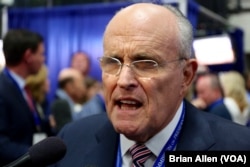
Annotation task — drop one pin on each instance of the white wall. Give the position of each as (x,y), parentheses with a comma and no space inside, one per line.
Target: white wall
(2,59)
(242,20)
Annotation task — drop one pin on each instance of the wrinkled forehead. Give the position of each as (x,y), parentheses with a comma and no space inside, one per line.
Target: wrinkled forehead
(145,19)
(142,29)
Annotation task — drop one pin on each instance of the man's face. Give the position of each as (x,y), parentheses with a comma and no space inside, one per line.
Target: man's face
(139,107)
(205,91)
(36,59)
(81,63)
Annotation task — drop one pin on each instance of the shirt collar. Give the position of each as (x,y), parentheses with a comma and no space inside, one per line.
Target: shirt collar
(19,80)
(157,142)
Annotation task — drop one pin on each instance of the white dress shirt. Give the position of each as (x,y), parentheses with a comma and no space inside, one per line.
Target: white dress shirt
(155,144)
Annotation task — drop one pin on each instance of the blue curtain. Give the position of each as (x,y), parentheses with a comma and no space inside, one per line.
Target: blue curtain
(68,29)
(193,11)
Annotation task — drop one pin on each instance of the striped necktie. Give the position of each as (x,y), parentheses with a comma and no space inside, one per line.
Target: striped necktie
(32,107)
(29,98)
(140,153)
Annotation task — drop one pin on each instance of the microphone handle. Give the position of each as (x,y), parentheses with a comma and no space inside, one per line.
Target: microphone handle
(20,161)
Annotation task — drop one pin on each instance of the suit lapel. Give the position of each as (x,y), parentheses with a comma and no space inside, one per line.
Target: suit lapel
(196,133)
(14,91)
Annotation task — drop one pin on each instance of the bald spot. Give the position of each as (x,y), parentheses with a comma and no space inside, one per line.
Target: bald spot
(69,72)
(154,20)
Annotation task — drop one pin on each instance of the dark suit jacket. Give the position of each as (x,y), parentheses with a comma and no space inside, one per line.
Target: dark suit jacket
(222,111)
(94,106)
(93,141)
(16,122)
(61,111)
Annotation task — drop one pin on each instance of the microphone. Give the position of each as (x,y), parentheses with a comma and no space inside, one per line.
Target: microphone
(44,153)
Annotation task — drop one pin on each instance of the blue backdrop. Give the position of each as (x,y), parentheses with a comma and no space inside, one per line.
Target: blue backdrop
(68,29)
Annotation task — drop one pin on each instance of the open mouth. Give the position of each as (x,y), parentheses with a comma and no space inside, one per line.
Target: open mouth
(128,104)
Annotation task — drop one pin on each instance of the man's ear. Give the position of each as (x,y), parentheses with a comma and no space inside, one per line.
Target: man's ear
(27,56)
(189,72)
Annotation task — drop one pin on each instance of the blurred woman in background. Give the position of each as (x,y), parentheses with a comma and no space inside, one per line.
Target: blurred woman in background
(39,86)
(235,96)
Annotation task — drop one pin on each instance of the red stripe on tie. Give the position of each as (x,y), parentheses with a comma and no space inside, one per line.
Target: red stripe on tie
(140,153)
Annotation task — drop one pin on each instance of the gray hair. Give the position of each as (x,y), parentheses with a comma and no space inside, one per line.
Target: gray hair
(185,32)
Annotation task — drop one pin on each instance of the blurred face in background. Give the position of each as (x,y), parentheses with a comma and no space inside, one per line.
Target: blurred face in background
(35,60)
(38,84)
(205,91)
(80,62)
(46,86)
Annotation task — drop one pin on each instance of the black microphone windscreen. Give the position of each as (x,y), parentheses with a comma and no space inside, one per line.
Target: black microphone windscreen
(47,151)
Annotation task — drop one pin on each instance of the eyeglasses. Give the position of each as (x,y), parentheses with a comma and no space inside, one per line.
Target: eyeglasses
(142,68)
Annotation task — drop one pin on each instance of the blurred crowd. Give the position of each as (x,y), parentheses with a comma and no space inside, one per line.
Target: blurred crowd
(225,94)
(26,114)
(78,94)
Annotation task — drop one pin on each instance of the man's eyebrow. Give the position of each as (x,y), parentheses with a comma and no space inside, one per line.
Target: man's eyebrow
(141,56)
(145,56)
(112,55)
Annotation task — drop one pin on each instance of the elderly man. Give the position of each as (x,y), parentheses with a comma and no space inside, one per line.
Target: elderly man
(147,71)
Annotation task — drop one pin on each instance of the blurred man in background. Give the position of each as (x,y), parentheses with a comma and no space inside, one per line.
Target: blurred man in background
(210,95)
(81,62)
(19,120)
(69,95)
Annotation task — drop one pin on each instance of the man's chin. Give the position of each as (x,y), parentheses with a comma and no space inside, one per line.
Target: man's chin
(125,129)
(130,132)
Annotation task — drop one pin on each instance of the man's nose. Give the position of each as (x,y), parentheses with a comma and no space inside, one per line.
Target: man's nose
(127,78)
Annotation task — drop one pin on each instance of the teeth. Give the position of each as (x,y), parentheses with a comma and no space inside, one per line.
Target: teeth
(128,102)
(127,108)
